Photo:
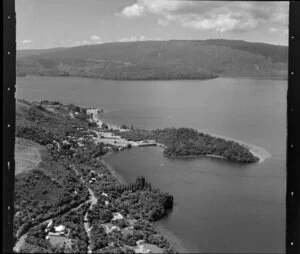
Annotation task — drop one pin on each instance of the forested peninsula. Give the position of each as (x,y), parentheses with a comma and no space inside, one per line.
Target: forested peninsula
(67,199)
(187,142)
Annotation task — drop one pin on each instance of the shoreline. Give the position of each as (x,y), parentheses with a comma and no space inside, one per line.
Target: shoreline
(256,151)
(111,169)
(195,156)
(177,243)
(116,79)
(279,77)
(96,118)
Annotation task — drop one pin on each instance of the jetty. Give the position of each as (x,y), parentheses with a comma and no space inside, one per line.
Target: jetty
(147,143)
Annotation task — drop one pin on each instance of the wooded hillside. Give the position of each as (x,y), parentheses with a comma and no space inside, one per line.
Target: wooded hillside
(152,60)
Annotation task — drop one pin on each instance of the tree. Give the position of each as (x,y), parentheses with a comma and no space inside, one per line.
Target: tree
(104,126)
(123,126)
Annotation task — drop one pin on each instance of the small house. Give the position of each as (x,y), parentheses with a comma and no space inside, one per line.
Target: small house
(117,216)
(60,228)
(93,180)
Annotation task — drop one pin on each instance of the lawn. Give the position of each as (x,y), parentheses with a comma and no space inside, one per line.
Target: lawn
(27,155)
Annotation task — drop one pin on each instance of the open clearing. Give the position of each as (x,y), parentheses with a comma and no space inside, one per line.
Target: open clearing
(27,155)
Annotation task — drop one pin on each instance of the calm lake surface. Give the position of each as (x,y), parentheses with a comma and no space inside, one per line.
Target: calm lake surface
(219,206)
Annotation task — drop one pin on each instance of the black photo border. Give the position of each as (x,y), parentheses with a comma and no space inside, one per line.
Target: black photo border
(293,128)
(8,122)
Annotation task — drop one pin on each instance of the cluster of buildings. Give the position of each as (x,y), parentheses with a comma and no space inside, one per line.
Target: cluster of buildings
(58,235)
(147,248)
(60,230)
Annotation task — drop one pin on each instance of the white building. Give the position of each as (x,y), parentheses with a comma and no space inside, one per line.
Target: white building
(60,228)
(117,216)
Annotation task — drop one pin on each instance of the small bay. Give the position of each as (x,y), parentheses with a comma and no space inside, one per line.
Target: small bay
(220,206)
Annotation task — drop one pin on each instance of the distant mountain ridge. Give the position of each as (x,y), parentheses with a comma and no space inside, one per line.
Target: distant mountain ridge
(31,52)
(278,53)
(150,60)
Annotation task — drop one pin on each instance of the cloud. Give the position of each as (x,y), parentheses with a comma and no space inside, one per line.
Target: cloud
(281,30)
(218,16)
(218,22)
(144,7)
(163,22)
(75,43)
(139,38)
(132,38)
(95,38)
(26,41)
(273,29)
(142,38)
(79,43)
(132,11)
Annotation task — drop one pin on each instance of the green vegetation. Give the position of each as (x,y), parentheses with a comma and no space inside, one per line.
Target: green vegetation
(36,237)
(74,222)
(124,126)
(186,142)
(27,155)
(58,188)
(136,200)
(158,60)
(276,53)
(71,168)
(44,193)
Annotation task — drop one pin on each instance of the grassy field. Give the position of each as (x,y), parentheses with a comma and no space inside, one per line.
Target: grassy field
(27,155)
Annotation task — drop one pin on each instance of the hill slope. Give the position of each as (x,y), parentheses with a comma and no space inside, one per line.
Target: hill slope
(160,60)
(276,53)
(31,52)
(69,185)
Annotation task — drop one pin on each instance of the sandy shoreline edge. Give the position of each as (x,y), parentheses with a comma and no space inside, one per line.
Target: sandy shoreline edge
(258,152)
(179,244)
(176,242)
(111,169)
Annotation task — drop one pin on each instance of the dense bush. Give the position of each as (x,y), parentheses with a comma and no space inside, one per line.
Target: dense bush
(99,238)
(185,142)
(58,187)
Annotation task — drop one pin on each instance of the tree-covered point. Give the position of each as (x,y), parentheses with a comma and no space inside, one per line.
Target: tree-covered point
(186,142)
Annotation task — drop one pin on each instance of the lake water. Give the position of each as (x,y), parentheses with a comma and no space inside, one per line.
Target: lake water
(219,206)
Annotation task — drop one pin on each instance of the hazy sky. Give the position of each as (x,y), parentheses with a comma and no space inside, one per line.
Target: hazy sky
(66,23)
